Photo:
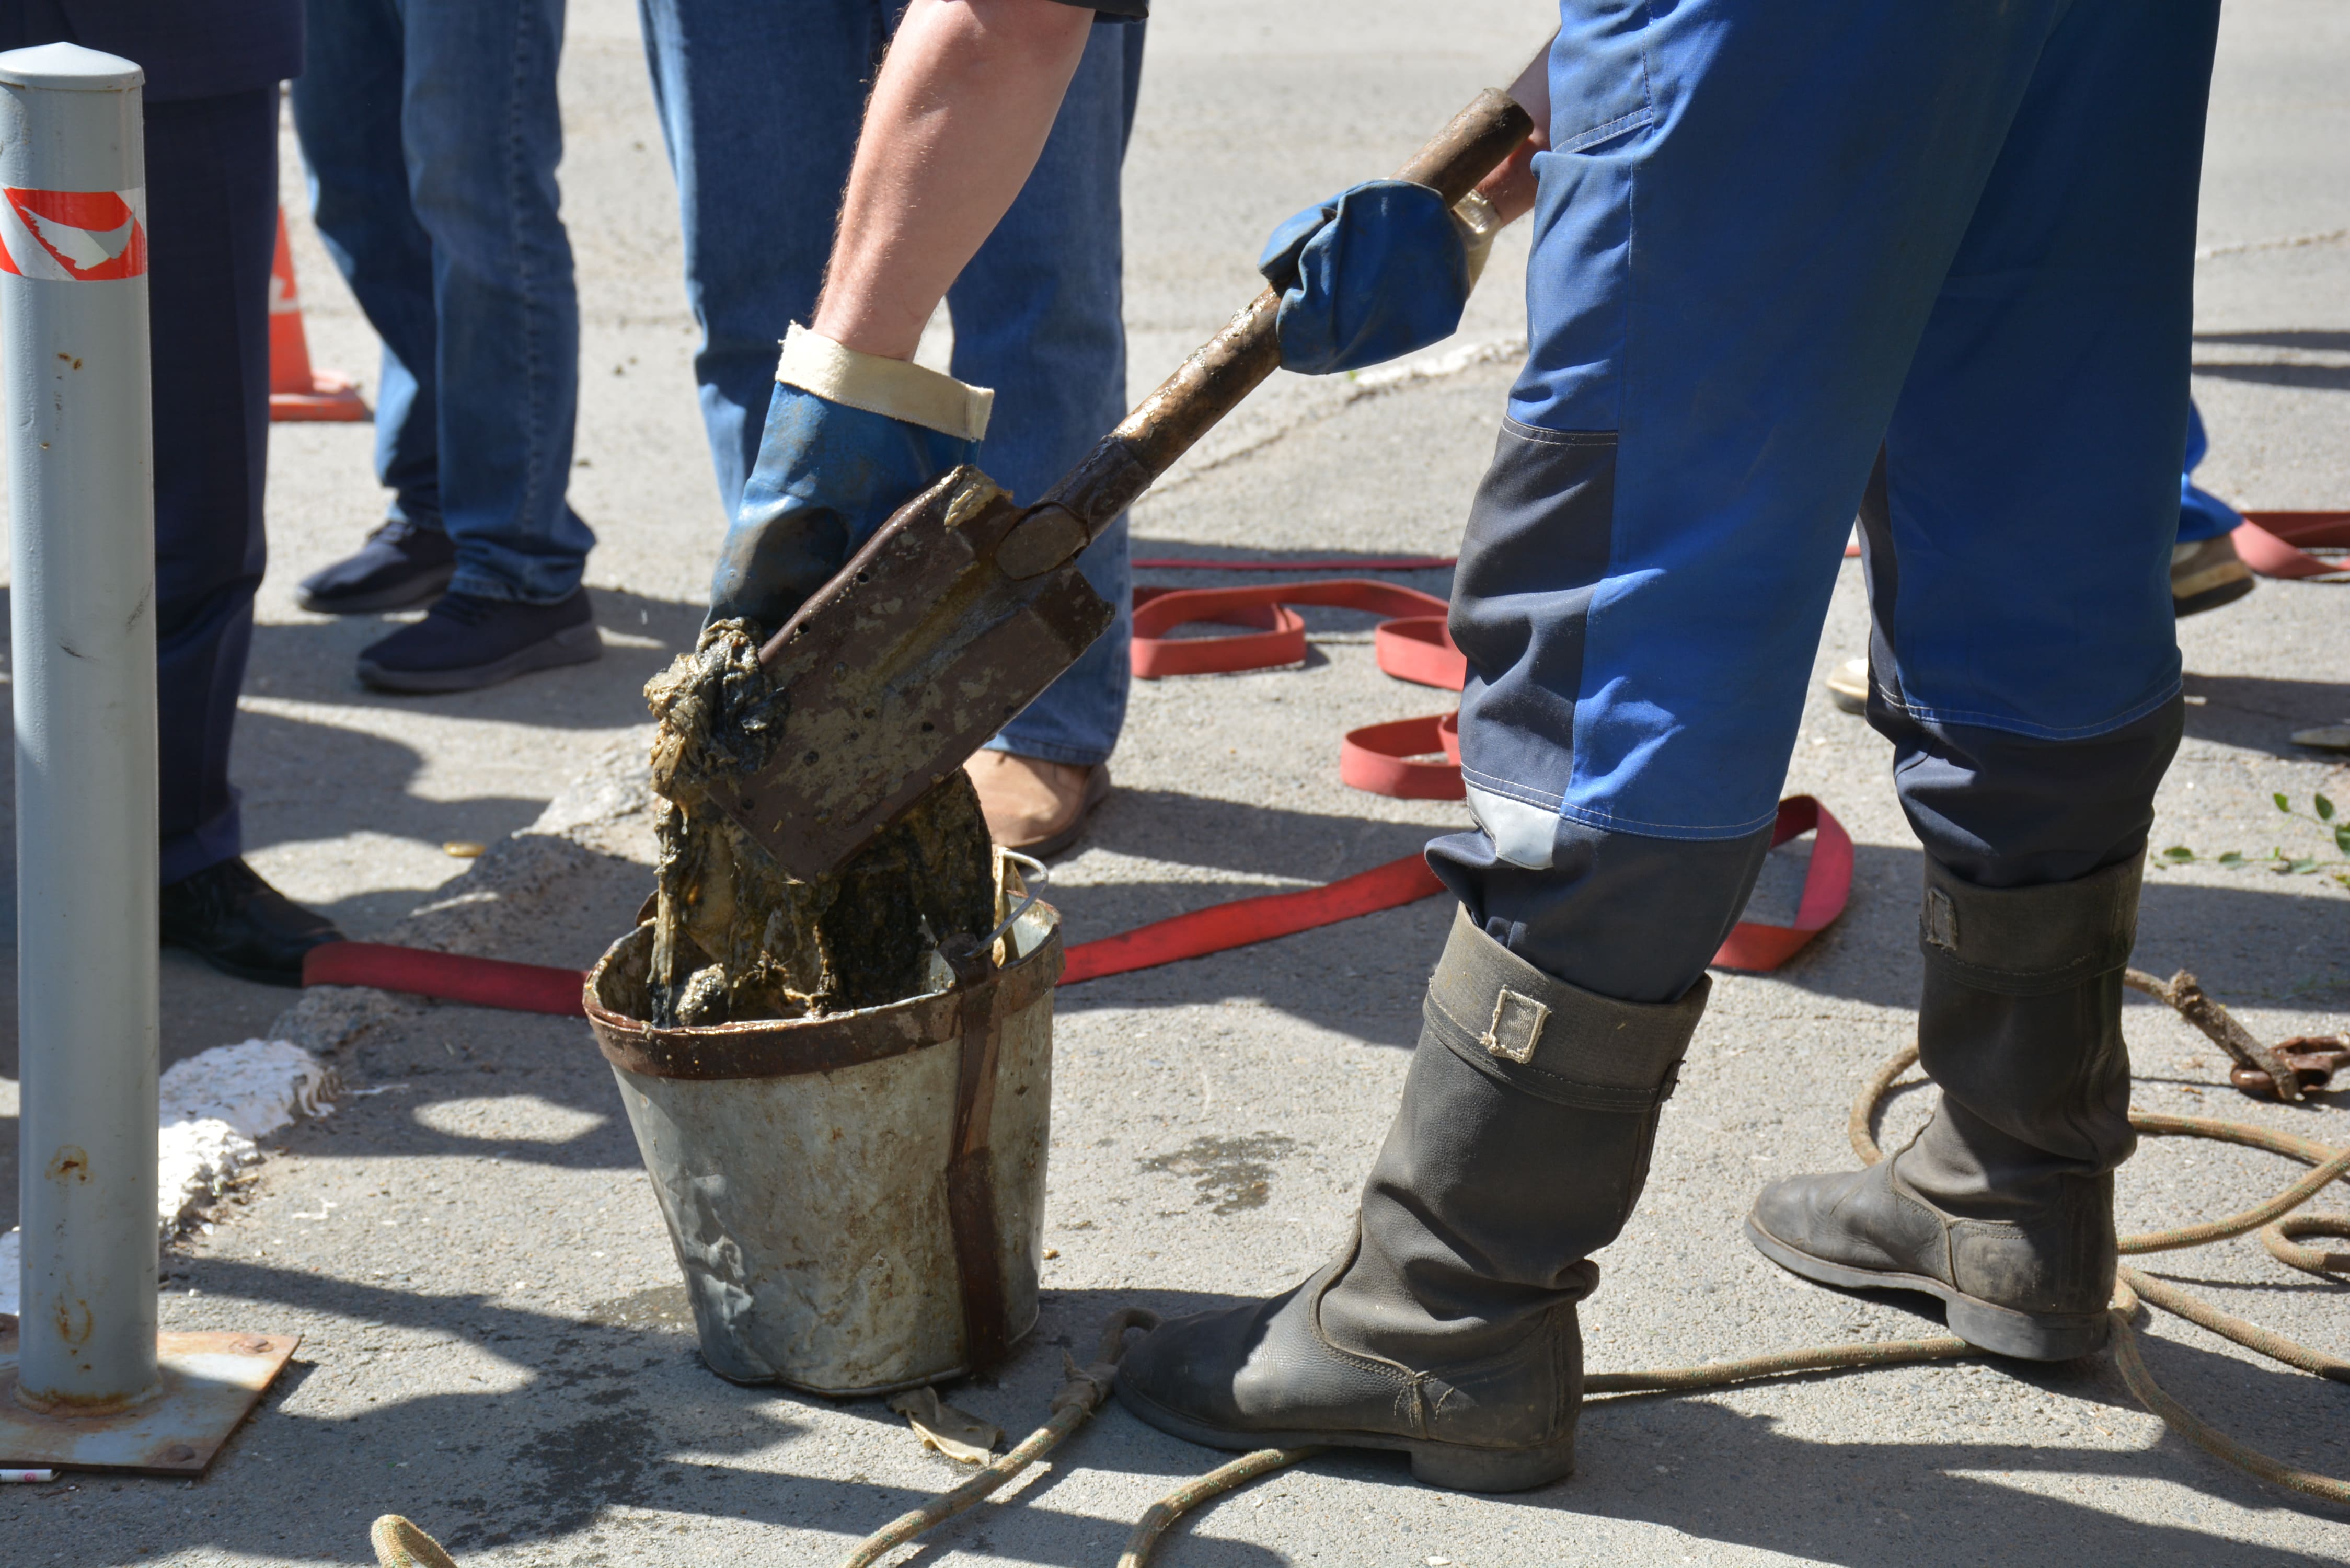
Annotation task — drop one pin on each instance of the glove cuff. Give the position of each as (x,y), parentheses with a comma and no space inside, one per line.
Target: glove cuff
(895,389)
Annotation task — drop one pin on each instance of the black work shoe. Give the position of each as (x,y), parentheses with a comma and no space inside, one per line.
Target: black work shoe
(402,565)
(228,917)
(2002,1205)
(466,642)
(1448,1330)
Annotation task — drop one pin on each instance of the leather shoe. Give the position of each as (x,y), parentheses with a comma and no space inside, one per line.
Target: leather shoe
(402,565)
(466,642)
(228,917)
(1034,807)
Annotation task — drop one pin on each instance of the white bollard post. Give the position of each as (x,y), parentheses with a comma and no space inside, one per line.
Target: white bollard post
(73,312)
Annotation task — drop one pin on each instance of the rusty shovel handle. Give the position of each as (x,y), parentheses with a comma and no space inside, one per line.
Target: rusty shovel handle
(1230,366)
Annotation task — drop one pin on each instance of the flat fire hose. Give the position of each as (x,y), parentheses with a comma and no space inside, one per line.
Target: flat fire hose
(1396,759)
(400,1543)
(2269,543)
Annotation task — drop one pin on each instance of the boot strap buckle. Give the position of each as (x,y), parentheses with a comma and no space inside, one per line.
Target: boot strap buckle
(1516,1027)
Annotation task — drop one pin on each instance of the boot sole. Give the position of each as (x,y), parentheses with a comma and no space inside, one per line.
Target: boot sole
(1452,1467)
(2002,1331)
(572,645)
(405,595)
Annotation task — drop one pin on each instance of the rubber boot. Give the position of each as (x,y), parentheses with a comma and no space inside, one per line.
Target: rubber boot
(2004,1205)
(1446,1328)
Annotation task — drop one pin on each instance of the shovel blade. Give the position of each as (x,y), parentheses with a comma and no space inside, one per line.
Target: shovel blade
(901,666)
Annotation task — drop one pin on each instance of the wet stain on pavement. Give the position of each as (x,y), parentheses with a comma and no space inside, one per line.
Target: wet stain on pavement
(1231,1173)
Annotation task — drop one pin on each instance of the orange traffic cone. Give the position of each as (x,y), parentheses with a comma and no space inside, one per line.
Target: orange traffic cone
(296,390)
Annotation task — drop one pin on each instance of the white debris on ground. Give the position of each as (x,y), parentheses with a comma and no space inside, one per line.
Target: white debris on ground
(210,1109)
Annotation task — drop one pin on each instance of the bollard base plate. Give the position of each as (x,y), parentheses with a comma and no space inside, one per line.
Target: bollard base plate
(211,1382)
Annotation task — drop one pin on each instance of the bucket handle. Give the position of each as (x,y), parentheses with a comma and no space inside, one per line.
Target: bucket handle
(1035,875)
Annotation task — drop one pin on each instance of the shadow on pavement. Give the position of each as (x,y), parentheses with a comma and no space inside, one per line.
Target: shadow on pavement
(2259,713)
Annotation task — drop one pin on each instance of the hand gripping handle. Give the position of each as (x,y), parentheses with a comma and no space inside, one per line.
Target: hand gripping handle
(1229,367)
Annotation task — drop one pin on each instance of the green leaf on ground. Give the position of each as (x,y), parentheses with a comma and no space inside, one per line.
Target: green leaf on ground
(2178,852)
(2324,809)
(2233,858)
(2282,805)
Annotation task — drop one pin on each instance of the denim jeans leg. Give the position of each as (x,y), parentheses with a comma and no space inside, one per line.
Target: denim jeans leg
(481,136)
(1037,316)
(346,112)
(736,83)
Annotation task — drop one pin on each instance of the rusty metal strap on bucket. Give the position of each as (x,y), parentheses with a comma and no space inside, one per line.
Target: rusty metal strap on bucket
(971,1176)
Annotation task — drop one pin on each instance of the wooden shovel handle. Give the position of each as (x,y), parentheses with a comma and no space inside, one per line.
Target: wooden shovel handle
(1212,382)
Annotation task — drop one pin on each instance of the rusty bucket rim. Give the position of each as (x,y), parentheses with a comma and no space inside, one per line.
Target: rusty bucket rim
(790,1047)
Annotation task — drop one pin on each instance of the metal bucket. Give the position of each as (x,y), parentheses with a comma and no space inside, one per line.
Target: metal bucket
(857,1200)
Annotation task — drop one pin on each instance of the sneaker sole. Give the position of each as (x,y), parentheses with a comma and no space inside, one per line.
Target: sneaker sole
(1452,1467)
(415,591)
(572,645)
(2002,1331)
(2212,598)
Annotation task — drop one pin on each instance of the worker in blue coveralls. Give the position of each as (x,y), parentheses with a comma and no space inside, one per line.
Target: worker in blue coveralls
(1872,242)
(2206,572)
(211,106)
(759,105)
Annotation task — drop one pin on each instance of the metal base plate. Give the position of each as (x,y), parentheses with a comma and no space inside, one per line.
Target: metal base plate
(210,1382)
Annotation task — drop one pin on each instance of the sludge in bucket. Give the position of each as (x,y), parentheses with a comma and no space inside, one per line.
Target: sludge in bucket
(857,1199)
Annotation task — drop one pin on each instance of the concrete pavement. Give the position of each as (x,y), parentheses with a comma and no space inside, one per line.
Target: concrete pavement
(492,1318)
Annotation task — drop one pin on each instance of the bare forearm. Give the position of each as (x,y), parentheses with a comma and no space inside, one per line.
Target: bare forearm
(1511,187)
(964,102)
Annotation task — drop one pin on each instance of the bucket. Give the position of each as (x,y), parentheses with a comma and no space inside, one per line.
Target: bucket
(857,1200)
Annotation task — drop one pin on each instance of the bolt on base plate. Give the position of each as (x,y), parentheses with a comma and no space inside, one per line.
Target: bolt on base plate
(210,1382)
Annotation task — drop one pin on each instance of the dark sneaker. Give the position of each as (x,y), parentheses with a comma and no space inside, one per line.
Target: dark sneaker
(402,565)
(466,642)
(228,917)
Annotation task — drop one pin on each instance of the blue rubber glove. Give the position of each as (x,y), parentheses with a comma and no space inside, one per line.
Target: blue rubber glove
(828,475)
(1376,271)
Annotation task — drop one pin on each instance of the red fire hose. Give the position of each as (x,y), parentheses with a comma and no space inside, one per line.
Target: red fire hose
(1400,758)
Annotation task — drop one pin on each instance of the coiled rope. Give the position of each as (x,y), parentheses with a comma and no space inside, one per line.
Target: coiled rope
(400,1544)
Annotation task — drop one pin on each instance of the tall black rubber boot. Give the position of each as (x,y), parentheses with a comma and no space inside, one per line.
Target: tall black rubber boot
(1446,1328)
(2003,1204)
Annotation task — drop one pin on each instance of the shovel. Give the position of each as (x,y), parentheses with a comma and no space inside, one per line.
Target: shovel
(964,605)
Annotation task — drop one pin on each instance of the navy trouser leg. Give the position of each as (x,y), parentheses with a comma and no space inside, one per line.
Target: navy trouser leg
(1935,228)
(212,215)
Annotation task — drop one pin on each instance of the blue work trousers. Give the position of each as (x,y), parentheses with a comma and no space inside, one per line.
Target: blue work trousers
(2202,515)
(760,105)
(211,225)
(1795,260)
(432,136)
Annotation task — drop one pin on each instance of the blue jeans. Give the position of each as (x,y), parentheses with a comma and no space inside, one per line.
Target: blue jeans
(431,135)
(1933,231)
(2202,515)
(1037,314)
